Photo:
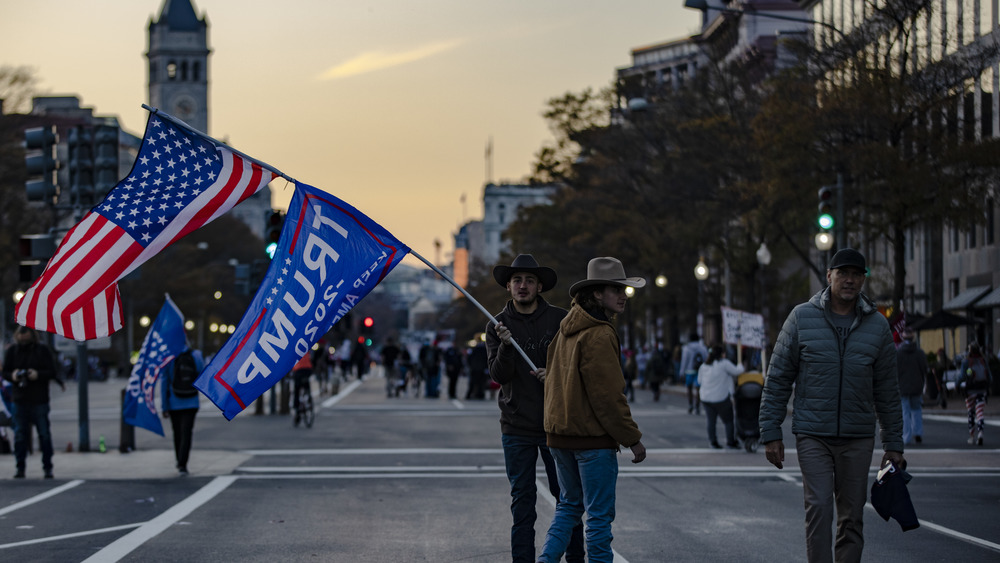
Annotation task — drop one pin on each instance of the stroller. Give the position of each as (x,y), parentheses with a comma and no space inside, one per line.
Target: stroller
(749,388)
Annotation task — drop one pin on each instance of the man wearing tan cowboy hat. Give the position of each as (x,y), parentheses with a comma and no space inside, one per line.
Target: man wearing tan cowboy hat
(587,417)
(532,323)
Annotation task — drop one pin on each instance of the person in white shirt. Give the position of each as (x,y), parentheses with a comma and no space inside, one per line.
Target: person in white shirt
(716,378)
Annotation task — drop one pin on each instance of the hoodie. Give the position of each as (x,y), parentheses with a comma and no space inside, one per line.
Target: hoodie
(585,403)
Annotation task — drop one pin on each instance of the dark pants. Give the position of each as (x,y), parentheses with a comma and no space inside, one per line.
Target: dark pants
(26,416)
(835,483)
(453,384)
(520,455)
(723,410)
(182,422)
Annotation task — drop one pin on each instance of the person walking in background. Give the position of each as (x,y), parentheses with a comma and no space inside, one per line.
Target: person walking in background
(429,358)
(693,354)
(478,371)
(390,352)
(179,402)
(532,323)
(658,369)
(587,417)
(716,383)
(911,363)
(454,364)
(838,352)
(29,366)
(301,372)
(975,374)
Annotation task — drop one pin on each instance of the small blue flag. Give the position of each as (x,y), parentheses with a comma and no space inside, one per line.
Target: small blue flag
(164,341)
(330,255)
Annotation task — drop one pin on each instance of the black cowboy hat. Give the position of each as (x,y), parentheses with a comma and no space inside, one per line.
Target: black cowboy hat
(525,263)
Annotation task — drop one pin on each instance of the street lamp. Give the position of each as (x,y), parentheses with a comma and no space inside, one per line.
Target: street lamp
(824,241)
(703,6)
(701,270)
(661,281)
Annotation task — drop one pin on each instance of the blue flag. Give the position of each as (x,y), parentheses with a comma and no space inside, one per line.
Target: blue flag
(164,341)
(330,255)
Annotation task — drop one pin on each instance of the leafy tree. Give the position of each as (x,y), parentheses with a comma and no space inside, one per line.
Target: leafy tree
(895,125)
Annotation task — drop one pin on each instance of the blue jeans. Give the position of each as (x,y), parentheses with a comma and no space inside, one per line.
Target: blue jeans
(913,417)
(520,454)
(25,417)
(588,479)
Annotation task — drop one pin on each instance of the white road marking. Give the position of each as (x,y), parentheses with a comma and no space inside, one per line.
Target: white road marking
(70,536)
(41,497)
(149,530)
(341,394)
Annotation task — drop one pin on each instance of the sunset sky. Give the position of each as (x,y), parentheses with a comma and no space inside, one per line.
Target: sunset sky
(387,104)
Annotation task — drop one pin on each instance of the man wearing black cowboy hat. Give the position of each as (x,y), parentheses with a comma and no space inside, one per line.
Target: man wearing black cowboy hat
(532,323)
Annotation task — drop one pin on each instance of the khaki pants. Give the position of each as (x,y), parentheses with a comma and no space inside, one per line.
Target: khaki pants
(834,477)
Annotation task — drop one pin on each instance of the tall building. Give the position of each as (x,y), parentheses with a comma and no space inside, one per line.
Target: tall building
(178,63)
(947,267)
(178,84)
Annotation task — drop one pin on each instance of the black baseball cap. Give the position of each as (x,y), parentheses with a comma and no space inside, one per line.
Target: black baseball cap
(848,257)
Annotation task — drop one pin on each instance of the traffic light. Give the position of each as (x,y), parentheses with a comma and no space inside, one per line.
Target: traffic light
(369,322)
(35,251)
(272,231)
(41,162)
(81,165)
(106,158)
(825,217)
(367,327)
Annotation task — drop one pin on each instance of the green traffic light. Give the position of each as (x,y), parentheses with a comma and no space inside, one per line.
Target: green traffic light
(270,249)
(825,221)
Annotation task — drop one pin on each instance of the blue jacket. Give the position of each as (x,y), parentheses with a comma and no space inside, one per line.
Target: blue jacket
(839,390)
(171,402)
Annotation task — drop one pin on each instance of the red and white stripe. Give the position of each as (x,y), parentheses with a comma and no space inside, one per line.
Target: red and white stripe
(77,294)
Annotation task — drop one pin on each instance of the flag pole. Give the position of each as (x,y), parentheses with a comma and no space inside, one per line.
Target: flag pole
(474,302)
(205,136)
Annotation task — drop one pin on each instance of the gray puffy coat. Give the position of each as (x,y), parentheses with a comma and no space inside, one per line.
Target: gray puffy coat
(839,390)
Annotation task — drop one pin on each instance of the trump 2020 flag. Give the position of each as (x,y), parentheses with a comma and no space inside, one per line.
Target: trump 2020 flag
(180,181)
(330,255)
(164,341)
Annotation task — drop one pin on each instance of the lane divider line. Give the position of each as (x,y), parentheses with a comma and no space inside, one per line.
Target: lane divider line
(41,497)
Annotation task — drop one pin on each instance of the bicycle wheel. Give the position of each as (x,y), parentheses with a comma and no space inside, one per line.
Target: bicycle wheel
(308,414)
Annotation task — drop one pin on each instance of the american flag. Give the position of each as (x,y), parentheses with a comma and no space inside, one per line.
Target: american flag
(180,181)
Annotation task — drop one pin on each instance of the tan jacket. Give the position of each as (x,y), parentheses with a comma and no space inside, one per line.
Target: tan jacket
(585,404)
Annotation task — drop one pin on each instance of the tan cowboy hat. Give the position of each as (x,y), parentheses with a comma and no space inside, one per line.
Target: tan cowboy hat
(525,263)
(605,271)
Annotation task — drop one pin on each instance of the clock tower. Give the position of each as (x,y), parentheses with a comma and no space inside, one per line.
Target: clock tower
(178,63)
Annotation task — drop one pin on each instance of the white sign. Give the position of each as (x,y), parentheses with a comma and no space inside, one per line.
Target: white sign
(743,328)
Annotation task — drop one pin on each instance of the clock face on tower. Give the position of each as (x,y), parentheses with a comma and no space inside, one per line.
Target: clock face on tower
(183,107)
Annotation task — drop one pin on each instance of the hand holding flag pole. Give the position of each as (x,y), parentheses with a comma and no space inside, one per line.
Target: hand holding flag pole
(474,302)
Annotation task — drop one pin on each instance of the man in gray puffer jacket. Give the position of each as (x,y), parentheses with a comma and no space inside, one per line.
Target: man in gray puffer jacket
(838,352)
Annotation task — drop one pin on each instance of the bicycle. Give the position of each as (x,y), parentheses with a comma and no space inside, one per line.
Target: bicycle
(304,411)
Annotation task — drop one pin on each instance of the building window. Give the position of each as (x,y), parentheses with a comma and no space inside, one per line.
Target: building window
(171,70)
(972,237)
(954,239)
(196,71)
(184,71)
(953,288)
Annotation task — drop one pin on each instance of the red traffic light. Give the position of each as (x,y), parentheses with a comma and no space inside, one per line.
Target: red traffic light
(369,322)
(361,340)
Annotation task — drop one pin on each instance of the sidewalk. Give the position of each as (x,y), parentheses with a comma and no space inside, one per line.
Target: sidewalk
(153,458)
